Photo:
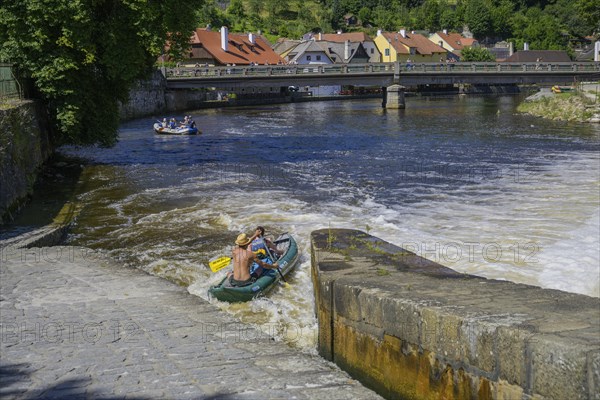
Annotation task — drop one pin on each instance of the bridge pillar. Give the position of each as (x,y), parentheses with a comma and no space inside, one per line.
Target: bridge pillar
(394,97)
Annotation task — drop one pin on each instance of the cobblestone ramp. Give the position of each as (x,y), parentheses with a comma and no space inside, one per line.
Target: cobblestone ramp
(77,325)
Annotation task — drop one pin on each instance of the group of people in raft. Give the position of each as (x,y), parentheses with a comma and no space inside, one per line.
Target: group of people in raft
(250,256)
(187,122)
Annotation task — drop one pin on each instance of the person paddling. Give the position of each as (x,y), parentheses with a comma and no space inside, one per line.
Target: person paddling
(259,242)
(243,258)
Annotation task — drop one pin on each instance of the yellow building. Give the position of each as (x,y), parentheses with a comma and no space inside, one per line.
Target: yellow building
(403,46)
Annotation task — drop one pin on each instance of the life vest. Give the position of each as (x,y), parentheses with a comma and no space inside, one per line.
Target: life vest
(261,253)
(259,244)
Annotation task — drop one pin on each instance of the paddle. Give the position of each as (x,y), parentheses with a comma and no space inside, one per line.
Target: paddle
(218,263)
(161,125)
(287,285)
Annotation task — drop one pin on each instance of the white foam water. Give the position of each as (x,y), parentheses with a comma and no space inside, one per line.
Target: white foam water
(518,234)
(534,222)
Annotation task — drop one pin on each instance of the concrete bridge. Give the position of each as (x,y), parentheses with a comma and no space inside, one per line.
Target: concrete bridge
(379,74)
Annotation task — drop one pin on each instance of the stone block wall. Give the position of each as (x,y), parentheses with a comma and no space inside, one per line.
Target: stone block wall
(413,329)
(182,100)
(146,98)
(24,147)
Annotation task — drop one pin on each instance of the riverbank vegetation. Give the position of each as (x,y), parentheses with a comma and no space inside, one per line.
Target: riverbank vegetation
(82,57)
(574,107)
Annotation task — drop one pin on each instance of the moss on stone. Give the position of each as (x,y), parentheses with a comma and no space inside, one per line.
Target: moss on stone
(23,150)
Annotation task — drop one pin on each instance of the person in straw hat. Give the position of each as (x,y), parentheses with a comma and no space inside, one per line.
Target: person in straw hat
(243,258)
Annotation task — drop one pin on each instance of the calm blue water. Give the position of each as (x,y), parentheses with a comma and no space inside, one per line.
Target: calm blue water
(465,181)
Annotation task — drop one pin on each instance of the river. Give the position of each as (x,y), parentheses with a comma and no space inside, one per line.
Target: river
(465,181)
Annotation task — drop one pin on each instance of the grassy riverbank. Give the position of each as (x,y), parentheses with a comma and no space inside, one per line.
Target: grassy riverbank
(572,106)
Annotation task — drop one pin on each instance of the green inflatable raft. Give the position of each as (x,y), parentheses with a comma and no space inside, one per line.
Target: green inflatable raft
(267,281)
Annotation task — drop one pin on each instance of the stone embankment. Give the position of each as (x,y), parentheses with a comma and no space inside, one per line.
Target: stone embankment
(24,147)
(413,329)
(75,324)
(147,97)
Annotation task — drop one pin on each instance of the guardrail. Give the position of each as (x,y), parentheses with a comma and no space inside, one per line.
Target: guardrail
(211,72)
(9,86)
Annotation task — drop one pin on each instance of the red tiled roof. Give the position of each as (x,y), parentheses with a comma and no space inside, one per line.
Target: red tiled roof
(468,42)
(240,51)
(422,45)
(456,40)
(342,37)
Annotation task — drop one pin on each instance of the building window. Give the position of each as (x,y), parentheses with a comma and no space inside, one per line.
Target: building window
(372,50)
(387,52)
(308,58)
(318,58)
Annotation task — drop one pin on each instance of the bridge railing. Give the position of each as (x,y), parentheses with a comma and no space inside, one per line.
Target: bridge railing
(211,72)
(270,70)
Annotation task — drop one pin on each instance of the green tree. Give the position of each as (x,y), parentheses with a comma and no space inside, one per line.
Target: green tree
(473,54)
(210,14)
(272,22)
(430,16)
(478,17)
(384,19)
(337,14)
(84,56)
(448,17)
(323,17)
(540,30)
(255,6)
(305,16)
(236,9)
(364,14)
(589,12)
(501,14)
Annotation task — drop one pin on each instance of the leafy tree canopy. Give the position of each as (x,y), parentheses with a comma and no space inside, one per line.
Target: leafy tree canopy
(84,55)
(494,19)
(475,54)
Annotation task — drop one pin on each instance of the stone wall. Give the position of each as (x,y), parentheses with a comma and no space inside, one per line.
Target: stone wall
(24,147)
(413,329)
(146,98)
(151,98)
(182,100)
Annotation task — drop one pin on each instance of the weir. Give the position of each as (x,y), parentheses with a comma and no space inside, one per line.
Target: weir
(413,329)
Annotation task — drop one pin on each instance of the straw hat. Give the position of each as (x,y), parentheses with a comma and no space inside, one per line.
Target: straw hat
(242,240)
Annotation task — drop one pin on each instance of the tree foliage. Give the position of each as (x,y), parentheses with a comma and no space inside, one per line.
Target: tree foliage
(538,29)
(478,17)
(493,19)
(474,54)
(84,55)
